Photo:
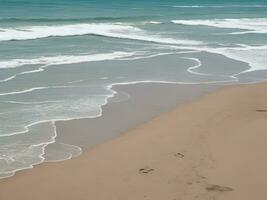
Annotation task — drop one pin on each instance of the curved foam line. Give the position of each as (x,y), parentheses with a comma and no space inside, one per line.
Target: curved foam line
(198,65)
(70,155)
(23,91)
(7,175)
(25,72)
(59,60)
(8,79)
(43,146)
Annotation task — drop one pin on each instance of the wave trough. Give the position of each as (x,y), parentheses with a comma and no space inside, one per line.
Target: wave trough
(253,25)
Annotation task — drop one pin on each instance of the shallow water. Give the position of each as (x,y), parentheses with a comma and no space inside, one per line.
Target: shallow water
(59,60)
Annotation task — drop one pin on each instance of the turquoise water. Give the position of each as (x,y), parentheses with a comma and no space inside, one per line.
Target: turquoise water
(59,59)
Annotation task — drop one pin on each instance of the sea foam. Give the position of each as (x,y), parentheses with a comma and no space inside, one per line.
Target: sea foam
(255,56)
(100,29)
(63,59)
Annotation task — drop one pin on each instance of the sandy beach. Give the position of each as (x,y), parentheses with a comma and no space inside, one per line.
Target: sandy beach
(212,148)
(133,100)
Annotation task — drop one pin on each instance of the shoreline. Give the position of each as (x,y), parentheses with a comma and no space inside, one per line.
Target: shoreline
(181,63)
(132,102)
(196,163)
(117,101)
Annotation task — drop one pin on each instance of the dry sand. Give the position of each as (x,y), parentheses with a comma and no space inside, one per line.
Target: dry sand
(213,148)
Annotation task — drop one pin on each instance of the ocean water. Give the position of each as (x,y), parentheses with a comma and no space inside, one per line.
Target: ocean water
(60,58)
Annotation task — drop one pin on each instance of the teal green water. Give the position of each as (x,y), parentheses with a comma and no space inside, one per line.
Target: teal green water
(59,59)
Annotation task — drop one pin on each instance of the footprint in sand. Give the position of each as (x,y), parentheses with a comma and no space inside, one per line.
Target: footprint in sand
(145,170)
(218,188)
(261,110)
(179,155)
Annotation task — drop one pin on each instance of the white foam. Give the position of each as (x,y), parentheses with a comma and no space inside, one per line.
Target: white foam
(194,67)
(255,56)
(154,22)
(253,25)
(63,59)
(27,157)
(8,79)
(22,91)
(64,152)
(101,29)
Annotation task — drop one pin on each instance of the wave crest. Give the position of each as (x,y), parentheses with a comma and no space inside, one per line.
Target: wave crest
(64,59)
(101,29)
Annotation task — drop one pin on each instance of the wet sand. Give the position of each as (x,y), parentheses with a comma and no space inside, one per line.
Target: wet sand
(133,105)
(212,148)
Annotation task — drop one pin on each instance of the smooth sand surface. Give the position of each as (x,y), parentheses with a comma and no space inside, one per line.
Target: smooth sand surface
(133,105)
(214,148)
